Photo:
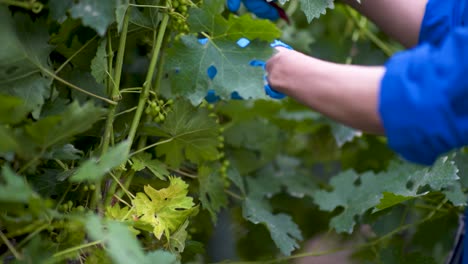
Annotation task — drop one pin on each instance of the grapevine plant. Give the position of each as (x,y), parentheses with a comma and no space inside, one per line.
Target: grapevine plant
(110,152)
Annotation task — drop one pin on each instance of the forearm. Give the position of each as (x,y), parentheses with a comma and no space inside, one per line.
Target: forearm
(347,94)
(401,19)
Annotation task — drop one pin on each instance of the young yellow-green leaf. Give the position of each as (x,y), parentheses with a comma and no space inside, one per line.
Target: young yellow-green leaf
(314,8)
(123,214)
(212,195)
(94,169)
(23,56)
(13,188)
(284,232)
(193,133)
(144,160)
(165,209)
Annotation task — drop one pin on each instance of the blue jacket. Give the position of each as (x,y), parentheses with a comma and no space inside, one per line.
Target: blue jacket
(424,93)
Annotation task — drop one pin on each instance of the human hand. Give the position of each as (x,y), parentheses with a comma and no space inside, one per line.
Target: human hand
(261,8)
(211,96)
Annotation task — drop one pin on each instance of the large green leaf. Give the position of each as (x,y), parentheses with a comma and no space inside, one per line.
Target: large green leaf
(24,55)
(156,167)
(401,182)
(95,169)
(56,129)
(188,60)
(212,195)
(192,134)
(95,14)
(122,245)
(283,230)
(314,8)
(13,188)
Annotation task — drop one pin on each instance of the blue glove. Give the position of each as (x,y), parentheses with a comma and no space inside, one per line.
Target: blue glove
(261,8)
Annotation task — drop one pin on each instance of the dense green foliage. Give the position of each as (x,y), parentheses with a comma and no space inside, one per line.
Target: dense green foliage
(110,154)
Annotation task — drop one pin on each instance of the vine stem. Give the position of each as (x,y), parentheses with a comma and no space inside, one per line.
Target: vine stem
(73,249)
(53,75)
(378,42)
(10,246)
(147,83)
(115,95)
(34,6)
(75,54)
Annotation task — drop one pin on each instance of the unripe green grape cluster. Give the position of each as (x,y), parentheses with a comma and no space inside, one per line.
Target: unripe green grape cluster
(221,157)
(179,15)
(158,109)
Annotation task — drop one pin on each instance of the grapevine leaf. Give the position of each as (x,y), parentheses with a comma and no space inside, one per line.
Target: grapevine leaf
(192,133)
(256,141)
(283,230)
(390,199)
(95,14)
(23,57)
(8,142)
(156,167)
(314,8)
(212,194)
(178,238)
(95,169)
(285,172)
(15,108)
(61,128)
(13,188)
(165,209)
(236,178)
(343,134)
(188,60)
(208,19)
(122,245)
(99,63)
(401,182)
(58,9)
(120,11)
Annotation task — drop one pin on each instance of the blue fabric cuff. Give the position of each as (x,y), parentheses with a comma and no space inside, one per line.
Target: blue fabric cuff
(414,115)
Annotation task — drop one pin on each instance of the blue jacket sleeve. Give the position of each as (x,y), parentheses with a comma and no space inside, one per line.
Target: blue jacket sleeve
(424,98)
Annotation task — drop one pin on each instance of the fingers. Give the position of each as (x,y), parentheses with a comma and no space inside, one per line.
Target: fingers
(233,5)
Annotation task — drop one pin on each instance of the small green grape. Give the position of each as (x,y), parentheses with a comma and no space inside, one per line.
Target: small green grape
(170,101)
(92,187)
(220,138)
(161,117)
(70,204)
(226,163)
(85,188)
(80,208)
(221,145)
(161,102)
